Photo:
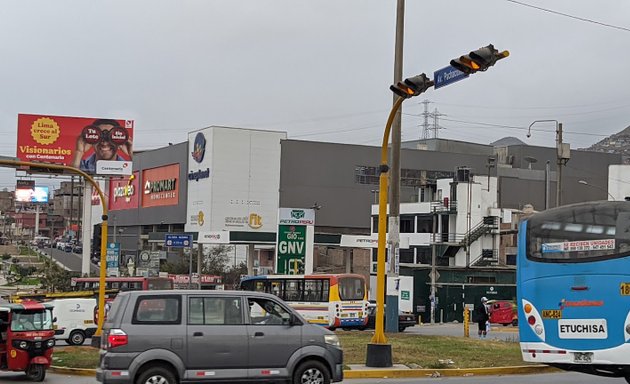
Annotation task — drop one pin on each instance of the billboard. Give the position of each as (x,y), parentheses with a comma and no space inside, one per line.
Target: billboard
(160,186)
(233,180)
(75,141)
(27,192)
(124,193)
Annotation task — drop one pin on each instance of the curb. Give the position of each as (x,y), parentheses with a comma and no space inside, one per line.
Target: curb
(417,373)
(390,373)
(73,371)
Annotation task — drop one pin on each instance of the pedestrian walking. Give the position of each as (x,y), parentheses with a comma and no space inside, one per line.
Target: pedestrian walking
(480,316)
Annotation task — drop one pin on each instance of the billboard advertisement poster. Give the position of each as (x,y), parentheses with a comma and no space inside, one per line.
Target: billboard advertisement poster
(124,193)
(160,186)
(32,194)
(291,249)
(233,180)
(74,141)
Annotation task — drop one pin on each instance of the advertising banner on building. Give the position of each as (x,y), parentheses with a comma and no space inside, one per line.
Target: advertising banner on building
(124,193)
(233,180)
(75,141)
(295,241)
(160,186)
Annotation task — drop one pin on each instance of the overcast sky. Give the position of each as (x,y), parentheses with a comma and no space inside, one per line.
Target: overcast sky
(319,70)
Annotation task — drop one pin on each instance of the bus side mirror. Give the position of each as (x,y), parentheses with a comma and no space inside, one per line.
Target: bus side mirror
(54,319)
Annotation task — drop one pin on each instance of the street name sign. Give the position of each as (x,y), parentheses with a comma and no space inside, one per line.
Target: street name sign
(178,240)
(447,75)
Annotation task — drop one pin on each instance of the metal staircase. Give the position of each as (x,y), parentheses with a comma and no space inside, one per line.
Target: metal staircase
(487,225)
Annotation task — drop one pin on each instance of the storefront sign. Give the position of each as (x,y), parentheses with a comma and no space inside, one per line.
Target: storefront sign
(123,193)
(160,186)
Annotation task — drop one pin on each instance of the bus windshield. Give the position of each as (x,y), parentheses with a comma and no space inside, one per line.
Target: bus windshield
(351,288)
(582,233)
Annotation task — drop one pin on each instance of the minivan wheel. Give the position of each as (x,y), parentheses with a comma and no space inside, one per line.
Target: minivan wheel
(311,372)
(76,338)
(156,375)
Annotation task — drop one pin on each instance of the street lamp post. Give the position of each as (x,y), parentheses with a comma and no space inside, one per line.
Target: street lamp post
(584,182)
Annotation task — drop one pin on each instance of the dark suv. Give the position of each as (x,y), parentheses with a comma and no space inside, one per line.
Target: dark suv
(169,337)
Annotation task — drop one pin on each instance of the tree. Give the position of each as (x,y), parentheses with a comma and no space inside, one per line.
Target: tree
(55,278)
(215,260)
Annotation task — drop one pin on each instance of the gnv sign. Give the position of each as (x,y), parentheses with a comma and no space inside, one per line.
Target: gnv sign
(294,247)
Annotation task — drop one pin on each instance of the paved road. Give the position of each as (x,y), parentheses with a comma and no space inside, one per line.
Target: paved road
(70,260)
(550,378)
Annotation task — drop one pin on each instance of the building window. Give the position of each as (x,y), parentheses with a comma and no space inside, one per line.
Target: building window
(407,256)
(425,224)
(366,175)
(407,224)
(408,177)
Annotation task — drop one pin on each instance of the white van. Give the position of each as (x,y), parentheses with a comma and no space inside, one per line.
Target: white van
(75,319)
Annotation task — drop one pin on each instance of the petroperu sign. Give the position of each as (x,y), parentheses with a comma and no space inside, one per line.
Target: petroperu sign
(160,186)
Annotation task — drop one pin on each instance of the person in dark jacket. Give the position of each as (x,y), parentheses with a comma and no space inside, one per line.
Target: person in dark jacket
(481,317)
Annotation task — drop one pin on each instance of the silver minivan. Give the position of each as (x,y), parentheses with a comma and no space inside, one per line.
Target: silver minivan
(168,337)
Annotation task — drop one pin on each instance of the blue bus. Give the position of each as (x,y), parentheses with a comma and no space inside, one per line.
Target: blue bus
(573,288)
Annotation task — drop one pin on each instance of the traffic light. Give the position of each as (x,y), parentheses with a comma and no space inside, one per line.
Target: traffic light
(479,60)
(412,86)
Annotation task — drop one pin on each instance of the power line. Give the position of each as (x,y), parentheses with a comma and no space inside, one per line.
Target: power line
(571,16)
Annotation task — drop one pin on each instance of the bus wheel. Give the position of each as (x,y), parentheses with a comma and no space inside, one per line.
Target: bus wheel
(311,372)
(36,372)
(76,338)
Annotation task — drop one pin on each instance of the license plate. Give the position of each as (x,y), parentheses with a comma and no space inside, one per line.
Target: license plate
(625,289)
(583,357)
(551,314)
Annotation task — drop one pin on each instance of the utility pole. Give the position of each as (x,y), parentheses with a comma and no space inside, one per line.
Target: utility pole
(560,164)
(563,154)
(391,313)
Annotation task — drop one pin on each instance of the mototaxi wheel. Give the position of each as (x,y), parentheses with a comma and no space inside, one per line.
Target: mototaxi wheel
(36,372)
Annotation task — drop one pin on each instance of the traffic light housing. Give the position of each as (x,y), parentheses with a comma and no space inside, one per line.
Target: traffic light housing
(412,86)
(479,60)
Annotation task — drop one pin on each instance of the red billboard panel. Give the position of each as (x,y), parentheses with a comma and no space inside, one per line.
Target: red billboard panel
(73,141)
(124,194)
(160,186)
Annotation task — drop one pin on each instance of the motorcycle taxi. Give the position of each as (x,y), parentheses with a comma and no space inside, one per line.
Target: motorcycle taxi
(27,338)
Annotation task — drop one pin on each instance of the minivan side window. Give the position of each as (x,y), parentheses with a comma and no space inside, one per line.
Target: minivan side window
(267,312)
(152,309)
(215,311)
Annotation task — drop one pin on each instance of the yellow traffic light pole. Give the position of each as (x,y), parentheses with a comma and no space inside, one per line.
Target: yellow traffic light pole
(379,334)
(103,270)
